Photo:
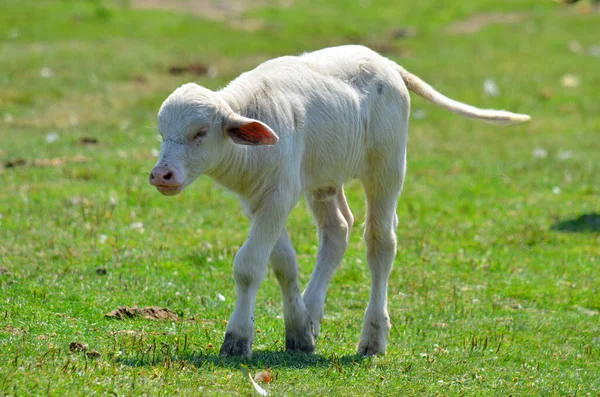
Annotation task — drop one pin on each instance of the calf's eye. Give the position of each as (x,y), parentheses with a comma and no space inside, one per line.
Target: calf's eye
(199,134)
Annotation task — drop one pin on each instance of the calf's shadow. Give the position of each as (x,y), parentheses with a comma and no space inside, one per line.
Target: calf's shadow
(586,223)
(260,359)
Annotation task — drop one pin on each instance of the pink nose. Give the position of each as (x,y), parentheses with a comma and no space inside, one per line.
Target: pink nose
(162,176)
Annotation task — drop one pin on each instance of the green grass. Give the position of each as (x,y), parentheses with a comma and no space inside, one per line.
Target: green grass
(496,288)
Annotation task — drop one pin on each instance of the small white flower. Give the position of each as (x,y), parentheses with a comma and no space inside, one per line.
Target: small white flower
(139,226)
(556,190)
(46,72)
(212,72)
(154,152)
(575,46)
(220,297)
(14,33)
(490,88)
(540,153)
(570,81)
(52,137)
(565,155)
(102,238)
(73,120)
(419,114)
(124,125)
(594,51)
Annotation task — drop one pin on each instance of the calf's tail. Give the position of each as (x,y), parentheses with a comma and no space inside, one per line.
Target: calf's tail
(421,88)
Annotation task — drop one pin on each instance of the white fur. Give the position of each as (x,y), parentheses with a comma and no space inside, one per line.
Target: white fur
(339,113)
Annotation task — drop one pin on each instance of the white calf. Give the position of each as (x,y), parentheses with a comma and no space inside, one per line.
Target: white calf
(339,113)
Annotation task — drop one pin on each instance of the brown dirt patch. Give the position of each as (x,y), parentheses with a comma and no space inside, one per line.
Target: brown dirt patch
(78,347)
(152,313)
(86,140)
(224,10)
(127,332)
(53,162)
(479,21)
(211,9)
(93,354)
(198,69)
(18,162)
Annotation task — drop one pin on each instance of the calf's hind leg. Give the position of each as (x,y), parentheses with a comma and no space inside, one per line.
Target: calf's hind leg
(380,238)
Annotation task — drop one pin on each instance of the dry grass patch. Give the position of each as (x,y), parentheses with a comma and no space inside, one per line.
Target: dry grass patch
(231,10)
(479,21)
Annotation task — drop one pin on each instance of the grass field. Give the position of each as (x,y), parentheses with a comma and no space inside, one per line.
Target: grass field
(496,287)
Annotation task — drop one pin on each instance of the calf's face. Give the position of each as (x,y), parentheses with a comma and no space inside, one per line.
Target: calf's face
(197,128)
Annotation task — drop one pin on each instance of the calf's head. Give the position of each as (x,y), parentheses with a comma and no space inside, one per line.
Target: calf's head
(198,129)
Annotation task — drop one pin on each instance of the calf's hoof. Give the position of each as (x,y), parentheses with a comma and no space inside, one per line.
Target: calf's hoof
(300,341)
(236,347)
(374,337)
(370,348)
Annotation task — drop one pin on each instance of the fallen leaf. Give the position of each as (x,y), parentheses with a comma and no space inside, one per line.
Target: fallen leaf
(246,374)
(263,376)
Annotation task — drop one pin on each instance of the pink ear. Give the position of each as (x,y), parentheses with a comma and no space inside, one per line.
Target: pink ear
(245,131)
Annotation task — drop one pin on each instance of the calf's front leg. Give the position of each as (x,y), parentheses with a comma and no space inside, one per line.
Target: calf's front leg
(249,269)
(298,324)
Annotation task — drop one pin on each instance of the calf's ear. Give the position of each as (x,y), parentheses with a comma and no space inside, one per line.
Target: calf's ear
(245,131)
